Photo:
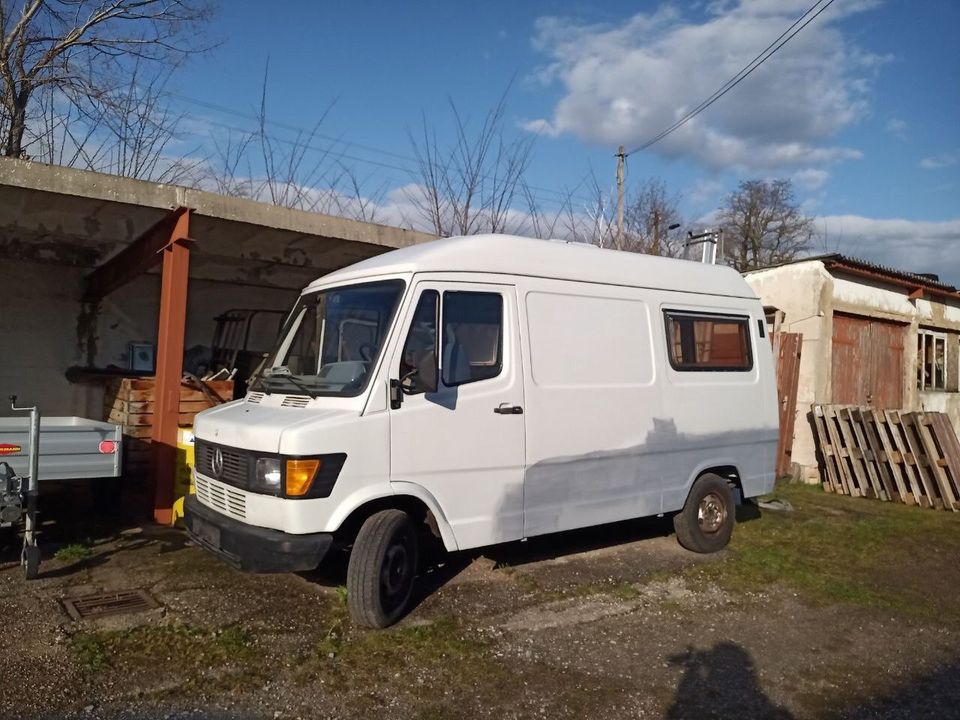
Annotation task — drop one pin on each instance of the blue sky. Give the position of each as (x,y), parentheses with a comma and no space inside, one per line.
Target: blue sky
(861,110)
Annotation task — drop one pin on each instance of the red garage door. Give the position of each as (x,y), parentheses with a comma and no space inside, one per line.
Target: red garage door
(867,361)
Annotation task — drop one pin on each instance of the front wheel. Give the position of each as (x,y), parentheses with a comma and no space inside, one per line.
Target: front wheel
(706,521)
(382,569)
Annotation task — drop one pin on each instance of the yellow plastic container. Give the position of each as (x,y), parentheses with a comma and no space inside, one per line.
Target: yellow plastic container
(183,482)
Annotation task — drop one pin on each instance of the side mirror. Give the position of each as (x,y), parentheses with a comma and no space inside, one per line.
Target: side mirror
(417,380)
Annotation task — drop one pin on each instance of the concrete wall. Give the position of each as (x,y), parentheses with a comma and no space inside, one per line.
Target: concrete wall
(43,329)
(809,295)
(803,292)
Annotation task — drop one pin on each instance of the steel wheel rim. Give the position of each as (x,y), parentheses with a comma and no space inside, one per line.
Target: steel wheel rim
(711,513)
(396,573)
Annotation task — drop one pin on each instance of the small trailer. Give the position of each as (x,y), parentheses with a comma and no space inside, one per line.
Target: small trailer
(34,449)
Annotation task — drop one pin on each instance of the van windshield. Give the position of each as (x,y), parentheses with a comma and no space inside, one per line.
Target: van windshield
(331,341)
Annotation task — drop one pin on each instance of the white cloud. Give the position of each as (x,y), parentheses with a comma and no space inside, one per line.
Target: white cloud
(897,128)
(910,245)
(938,162)
(625,83)
(810,179)
(540,127)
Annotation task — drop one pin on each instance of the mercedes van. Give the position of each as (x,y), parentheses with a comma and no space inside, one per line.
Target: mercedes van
(487,389)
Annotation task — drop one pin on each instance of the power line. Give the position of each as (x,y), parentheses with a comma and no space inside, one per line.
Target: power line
(412,172)
(784,37)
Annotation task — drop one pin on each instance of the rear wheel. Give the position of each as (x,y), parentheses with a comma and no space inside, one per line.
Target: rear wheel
(706,522)
(382,569)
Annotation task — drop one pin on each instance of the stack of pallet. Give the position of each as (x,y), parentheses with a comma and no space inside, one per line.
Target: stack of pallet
(129,402)
(911,457)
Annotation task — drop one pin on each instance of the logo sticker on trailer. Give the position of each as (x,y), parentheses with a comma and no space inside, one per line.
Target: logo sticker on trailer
(9,449)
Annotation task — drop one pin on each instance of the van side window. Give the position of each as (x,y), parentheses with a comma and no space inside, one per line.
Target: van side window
(472,337)
(701,342)
(420,347)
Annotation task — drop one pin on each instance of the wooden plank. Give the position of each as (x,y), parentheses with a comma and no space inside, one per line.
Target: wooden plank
(867,460)
(932,451)
(892,457)
(929,497)
(909,470)
(147,395)
(146,406)
(846,473)
(827,451)
(876,457)
(137,420)
(788,378)
(855,457)
(950,446)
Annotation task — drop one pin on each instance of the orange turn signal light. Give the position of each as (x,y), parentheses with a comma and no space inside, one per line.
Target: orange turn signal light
(300,474)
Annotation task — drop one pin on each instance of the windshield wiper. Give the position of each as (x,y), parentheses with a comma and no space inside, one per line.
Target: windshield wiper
(282,372)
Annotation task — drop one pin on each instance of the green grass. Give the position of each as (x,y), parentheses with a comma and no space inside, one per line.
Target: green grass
(145,647)
(74,552)
(840,549)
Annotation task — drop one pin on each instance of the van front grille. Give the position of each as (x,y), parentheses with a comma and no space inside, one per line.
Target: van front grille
(222,498)
(237,467)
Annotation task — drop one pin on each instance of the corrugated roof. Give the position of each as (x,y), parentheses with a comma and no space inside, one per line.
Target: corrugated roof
(839,260)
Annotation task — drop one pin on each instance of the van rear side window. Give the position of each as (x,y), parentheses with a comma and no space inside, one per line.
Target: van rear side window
(704,342)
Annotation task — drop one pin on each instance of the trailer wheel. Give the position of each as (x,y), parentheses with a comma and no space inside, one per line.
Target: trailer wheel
(382,569)
(706,521)
(31,562)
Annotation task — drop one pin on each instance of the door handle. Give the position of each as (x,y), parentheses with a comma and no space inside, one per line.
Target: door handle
(508,409)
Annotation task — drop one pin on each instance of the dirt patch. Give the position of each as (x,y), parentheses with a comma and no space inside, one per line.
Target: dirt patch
(843,608)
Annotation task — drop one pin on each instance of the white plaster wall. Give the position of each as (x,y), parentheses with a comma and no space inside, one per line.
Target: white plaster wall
(802,291)
(809,296)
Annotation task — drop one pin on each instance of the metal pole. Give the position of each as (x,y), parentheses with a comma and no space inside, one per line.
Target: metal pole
(621,161)
(30,555)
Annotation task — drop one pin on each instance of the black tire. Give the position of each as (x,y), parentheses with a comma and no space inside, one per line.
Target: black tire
(31,562)
(706,522)
(382,569)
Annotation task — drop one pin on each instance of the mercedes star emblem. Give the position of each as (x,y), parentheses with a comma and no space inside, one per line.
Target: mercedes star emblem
(217,464)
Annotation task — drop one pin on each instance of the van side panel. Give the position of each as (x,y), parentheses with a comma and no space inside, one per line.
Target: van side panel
(592,402)
(613,431)
(720,417)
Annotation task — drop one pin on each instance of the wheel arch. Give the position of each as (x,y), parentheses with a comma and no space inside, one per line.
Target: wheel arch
(727,470)
(412,499)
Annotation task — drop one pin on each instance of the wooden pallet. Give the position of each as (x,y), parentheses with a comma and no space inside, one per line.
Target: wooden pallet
(910,457)
(129,402)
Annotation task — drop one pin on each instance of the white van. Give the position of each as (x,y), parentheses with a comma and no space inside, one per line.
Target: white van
(488,389)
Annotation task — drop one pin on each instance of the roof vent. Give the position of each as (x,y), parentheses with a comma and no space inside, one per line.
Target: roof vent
(930,276)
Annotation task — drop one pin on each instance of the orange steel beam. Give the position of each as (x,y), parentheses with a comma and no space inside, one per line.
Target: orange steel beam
(135,259)
(170,339)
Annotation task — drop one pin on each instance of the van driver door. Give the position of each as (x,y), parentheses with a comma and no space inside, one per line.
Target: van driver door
(463,443)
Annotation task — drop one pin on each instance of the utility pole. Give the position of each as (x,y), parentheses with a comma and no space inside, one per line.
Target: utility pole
(621,161)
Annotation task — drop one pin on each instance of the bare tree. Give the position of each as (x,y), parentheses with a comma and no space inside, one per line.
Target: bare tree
(125,132)
(472,185)
(82,49)
(652,221)
(763,225)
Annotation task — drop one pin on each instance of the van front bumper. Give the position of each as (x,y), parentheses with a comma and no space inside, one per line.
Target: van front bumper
(250,548)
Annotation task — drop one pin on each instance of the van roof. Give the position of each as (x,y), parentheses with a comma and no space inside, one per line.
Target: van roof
(515,255)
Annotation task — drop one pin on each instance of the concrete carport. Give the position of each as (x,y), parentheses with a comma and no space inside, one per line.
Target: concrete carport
(91,262)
